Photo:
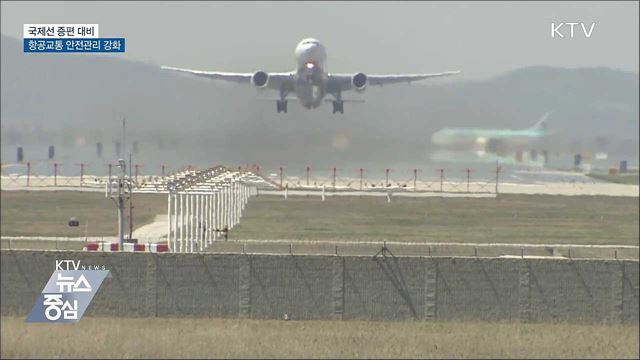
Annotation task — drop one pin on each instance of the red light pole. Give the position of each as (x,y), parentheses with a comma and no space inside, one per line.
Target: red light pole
(334,178)
(28,172)
(386,182)
(55,174)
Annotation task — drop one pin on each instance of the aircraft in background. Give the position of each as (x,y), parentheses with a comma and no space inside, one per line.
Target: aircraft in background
(498,142)
(310,81)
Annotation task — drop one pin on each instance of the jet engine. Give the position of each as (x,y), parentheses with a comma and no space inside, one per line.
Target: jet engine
(359,81)
(260,79)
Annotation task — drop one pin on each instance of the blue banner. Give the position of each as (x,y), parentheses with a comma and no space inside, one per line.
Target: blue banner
(66,296)
(73,45)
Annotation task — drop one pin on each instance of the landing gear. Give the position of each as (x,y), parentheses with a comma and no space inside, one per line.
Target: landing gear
(281,105)
(338,106)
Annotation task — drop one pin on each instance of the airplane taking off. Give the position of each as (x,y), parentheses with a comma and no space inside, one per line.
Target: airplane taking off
(494,141)
(310,81)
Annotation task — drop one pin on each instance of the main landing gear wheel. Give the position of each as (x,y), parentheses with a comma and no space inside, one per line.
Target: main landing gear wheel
(338,106)
(281,105)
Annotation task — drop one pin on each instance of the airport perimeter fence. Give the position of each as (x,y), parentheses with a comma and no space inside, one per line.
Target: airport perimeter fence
(347,248)
(82,175)
(328,287)
(54,174)
(435,180)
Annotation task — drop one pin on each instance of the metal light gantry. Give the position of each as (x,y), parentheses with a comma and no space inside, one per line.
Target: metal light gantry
(202,204)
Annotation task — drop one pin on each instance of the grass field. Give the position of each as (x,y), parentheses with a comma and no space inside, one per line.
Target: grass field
(207,338)
(507,219)
(629,179)
(46,213)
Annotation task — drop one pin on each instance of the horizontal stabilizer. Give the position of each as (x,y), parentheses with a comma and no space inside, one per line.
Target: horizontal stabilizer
(276,99)
(346,100)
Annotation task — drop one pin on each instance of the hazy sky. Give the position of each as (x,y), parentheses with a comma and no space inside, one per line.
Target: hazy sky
(481,38)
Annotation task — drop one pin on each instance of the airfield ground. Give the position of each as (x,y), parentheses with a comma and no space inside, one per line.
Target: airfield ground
(628,179)
(508,219)
(232,338)
(46,213)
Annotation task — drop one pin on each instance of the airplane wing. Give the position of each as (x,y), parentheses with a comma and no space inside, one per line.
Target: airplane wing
(216,75)
(276,80)
(343,81)
(393,79)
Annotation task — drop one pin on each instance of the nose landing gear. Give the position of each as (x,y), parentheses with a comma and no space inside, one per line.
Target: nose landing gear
(281,106)
(338,106)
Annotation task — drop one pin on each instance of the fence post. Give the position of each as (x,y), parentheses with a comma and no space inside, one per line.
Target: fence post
(244,301)
(162,171)
(150,287)
(337,287)
(524,291)
(430,294)
(28,172)
(617,293)
(441,178)
(55,174)
(308,168)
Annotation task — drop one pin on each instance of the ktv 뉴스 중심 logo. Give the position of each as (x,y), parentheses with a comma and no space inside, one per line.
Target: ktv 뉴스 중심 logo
(68,38)
(68,292)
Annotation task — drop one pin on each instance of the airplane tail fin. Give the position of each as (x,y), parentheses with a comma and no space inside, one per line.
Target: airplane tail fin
(541,125)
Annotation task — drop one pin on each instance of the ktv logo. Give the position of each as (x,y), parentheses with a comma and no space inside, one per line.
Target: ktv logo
(558,29)
(67,294)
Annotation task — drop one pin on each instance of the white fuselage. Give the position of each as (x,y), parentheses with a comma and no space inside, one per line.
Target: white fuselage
(310,74)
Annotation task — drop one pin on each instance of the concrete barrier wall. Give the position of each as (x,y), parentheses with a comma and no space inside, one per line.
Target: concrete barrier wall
(338,287)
